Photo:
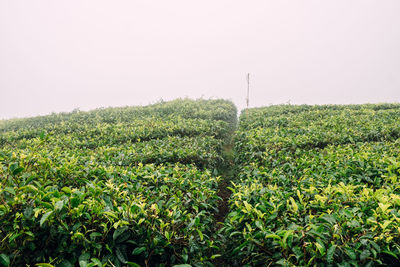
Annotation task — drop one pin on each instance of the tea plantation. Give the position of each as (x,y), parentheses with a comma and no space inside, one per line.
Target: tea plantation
(141,186)
(115,187)
(316,186)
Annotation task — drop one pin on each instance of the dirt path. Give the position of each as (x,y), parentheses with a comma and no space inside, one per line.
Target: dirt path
(223,207)
(226,172)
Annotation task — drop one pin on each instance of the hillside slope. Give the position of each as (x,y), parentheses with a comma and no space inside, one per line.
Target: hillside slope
(317,185)
(119,186)
(161,185)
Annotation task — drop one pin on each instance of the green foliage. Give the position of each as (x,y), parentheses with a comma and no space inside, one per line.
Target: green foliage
(318,185)
(137,186)
(317,128)
(216,110)
(124,186)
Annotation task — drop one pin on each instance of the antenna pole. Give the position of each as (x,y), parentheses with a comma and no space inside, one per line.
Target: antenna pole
(248,93)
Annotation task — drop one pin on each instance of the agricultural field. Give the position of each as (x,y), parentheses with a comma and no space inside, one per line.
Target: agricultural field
(316,186)
(134,186)
(161,186)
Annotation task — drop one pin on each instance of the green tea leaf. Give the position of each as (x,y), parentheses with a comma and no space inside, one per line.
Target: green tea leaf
(120,255)
(330,253)
(138,251)
(364,255)
(320,248)
(17,171)
(59,205)
(45,217)
(200,234)
(4,260)
(119,231)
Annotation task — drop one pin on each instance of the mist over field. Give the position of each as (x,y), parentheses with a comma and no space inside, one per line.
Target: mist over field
(58,56)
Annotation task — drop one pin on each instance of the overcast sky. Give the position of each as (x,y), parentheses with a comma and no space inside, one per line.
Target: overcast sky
(60,55)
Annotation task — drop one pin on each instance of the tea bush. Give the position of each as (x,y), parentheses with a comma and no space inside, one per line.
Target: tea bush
(317,185)
(119,186)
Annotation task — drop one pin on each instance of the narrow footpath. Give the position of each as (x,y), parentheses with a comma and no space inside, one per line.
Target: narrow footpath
(226,172)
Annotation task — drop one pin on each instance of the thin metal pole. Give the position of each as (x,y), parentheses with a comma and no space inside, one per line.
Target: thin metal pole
(248,94)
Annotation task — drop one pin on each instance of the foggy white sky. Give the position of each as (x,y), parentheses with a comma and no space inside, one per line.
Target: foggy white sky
(61,55)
